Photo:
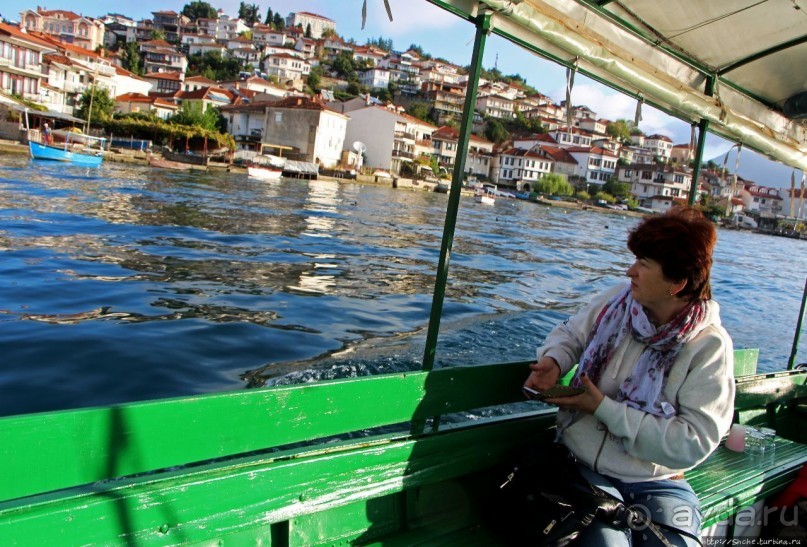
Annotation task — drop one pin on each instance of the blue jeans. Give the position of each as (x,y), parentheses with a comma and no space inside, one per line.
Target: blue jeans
(671,503)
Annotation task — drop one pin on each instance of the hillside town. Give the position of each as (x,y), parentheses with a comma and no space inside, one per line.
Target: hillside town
(295,84)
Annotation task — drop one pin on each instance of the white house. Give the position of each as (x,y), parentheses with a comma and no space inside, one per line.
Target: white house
(315,132)
(595,164)
(286,66)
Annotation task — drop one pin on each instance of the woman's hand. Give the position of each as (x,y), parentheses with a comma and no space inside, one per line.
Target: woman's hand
(545,374)
(586,402)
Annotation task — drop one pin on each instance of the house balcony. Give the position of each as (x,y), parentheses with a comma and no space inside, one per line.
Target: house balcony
(403,154)
(5,62)
(405,136)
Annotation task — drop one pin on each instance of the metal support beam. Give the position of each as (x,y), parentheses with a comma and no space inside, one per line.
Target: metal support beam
(482,29)
(703,127)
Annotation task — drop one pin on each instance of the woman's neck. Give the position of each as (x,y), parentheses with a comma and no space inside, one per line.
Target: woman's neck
(665,312)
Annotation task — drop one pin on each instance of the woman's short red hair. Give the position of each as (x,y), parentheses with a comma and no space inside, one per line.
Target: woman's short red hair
(682,240)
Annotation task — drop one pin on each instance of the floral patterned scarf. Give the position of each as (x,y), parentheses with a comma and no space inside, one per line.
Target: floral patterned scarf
(623,316)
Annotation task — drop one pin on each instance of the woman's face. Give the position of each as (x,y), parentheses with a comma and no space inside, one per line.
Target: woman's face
(648,285)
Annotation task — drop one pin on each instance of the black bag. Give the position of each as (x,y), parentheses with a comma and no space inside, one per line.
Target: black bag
(544,500)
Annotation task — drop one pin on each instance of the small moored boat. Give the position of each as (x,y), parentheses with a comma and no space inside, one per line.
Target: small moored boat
(77,149)
(266,166)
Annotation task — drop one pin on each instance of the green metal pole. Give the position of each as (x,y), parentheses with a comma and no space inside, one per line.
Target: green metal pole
(792,362)
(482,30)
(703,126)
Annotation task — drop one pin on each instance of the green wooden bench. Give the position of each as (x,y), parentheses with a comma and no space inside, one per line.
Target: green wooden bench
(346,461)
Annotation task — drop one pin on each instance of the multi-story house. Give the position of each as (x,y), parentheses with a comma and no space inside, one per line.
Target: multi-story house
(594,126)
(439,73)
(390,136)
(762,199)
(563,164)
(314,132)
(446,99)
(305,20)
(537,139)
(659,145)
(204,98)
(222,27)
(655,180)
(264,35)
(66,26)
(368,54)
(521,169)
(306,48)
(403,71)
(595,164)
(496,106)
(193,83)
(286,67)
(170,23)
(374,78)
(160,56)
(245,122)
(568,138)
(130,103)
(332,46)
(21,62)
(478,160)
(165,83)
(201,45)
(682,153)
(118,28)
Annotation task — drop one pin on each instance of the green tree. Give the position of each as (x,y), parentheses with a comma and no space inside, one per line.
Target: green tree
(344,66)
(420,110)
(191,113)
(617,189)
(278,22)
(308,33)
(213,66)
(269,16)
(199,10)
(380,43)
(130,58)
(249,13)
(314,79)
(157,35)
(495,132)
(103,106)
(555,185)
(619,130)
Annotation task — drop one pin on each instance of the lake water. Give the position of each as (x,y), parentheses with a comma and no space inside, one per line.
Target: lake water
(125,283)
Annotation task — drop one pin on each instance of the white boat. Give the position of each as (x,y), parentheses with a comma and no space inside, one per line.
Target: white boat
(267,166)
(484,198)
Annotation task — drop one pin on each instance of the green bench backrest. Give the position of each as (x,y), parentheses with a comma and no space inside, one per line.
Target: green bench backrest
(76,447)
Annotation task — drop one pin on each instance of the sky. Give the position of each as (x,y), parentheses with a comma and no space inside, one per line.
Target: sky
(442,34)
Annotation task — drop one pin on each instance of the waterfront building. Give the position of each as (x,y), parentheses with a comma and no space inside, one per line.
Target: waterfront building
(596,165)
(478,161)
(762,200)
(521,169)
(390,135)
(651,181)
(245,122)
(66,26)
(303,20)
(563,163)
(315,132)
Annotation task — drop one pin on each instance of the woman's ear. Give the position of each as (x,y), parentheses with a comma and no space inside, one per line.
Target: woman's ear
(677,287)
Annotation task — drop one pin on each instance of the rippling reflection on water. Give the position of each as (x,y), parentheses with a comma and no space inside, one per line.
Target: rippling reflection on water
(124,283)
